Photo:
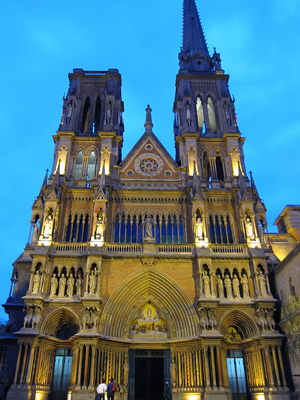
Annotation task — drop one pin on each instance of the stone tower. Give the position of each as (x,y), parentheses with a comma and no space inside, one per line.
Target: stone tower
(147,269)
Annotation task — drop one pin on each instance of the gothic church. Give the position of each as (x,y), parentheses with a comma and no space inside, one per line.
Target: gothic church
(147,269)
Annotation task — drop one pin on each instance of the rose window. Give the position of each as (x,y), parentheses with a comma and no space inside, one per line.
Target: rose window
(148,165)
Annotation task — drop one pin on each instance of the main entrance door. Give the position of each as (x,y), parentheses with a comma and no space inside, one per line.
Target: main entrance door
(61,374)
(236,374)
(149,370)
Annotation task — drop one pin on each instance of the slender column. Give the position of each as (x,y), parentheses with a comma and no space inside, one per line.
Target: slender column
(179,370)
(268,283)
(131,224)
(125,233)
(92,374)
(30,365)
(24,363)
(80,365)
(275,365)
(207,366)
(220,372)
(212,357)
(197,380)
(74,366)
(281,365)
(86,364)
(213,166)
(212,284)
(269,368)
(18,363)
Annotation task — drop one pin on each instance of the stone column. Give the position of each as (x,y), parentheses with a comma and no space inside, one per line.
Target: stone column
(86,363)
(80,366)
(30,365)
(24,363)
(18,364)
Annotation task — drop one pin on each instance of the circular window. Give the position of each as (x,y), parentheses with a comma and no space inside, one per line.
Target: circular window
(129,172)
(148,147)
(148,164)
(168,173)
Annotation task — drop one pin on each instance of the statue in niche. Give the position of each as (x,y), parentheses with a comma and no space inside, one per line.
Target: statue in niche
(36,282)
(229,115)
(54,285)
(148,227)
(99,226)
(236,286)
(78,285)
(28,317)
(228,287)
(48,226)
(92,282)
(37,317)
(262,284)
(62,285)
(206,285)
(249,229)
(245,285)
(220,285)
(199,228)
(188,115)
(173,373)
(270,318)
(69,112)
(35,234)
(109,113)
(70,286)
(211,313)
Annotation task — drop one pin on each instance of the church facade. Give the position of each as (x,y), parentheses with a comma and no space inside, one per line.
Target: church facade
(147,269)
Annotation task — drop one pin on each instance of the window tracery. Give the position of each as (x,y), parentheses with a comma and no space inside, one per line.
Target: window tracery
(220,229)
(77,228)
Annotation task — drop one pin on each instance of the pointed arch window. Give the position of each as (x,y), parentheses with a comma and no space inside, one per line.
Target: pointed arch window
(128,231)
(134,230)
(181,230)
(78,166)
(74,234)
(97,115)
(163,230)
(223,231)
(219,165)
(69,229)
(85,115)
(217,230)
(212,230)
(140,230)
(80,229)
(86,229)
(200,114)
(229,230)
(206,167)
(211,115)
(157,230)
(122,235)
(117,229)
(92,166)
(169,230)
(175,231)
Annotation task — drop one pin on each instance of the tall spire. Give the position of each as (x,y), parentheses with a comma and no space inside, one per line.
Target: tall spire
(194,54)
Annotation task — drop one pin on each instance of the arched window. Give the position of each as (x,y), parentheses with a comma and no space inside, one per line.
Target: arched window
(74,234)
(140,230)
(200,114)
(223,231)
(212,230)
(122,236)
(80,229)
(175,230)
(206,167)
(128,231)
(217,230)
(157,230)
(181,231)
(85,115)
(92,166)
(134,236)
(169,230)
(78,166)
(219,165)
(97,115)
(69,229)
(86,229)
(163,230)
(117,229)
(229,230)
(211,115)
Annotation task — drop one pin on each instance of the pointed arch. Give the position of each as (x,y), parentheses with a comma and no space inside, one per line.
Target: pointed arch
(211,114)
(200,112)
(149,285)
(242,322)
(63,317)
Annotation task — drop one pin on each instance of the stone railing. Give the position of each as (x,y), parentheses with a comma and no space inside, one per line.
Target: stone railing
(175,248)
(70,247)
(279,238)
(229,249)
(123,248)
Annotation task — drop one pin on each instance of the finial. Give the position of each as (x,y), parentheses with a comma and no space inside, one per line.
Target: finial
(148,124)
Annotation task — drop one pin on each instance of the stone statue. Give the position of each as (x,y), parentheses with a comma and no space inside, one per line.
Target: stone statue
(35,234)
(99,227)
(204,322)
(28,317)
(227,111)
(70,286)
(48,225)
(78,285)
(62,285)
(54,285)
(206,285)
(220,286)
(36,282)
(85,318)
(245,284)
(108,113)
(173,373)
(211,313)
(188,115)
(199,228)
(236,286)
(92,282)
(227,282)
(37,317)
(249,229)
(148,227)
(262,284)
(69,112)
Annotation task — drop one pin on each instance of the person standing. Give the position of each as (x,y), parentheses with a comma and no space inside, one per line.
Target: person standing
(111,390)
(166,394)
(101,389)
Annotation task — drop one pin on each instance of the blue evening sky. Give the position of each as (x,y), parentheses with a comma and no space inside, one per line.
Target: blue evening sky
(42,41)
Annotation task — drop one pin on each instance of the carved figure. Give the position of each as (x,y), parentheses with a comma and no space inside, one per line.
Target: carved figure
(35,234)
(220,285)
(108,113)
(92,282)
(85,318)
(262,284)
(126,371)
(204,322)
(78,285)
(262,321)
(70,286)
(188,115)
(245,284)
(99,227)
(173,373)
(236,286)
(69,112)
(148,227)
(211,313)
(48,225)
(62,285)
(227,282)
(36,282)
(37,317)
(206,286)
(54,285)
(28,317)
(199,228)
(249,229)
(270,319)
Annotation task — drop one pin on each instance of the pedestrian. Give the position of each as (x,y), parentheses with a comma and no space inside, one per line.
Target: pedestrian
(101,389)
(111,388)
(166,394)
